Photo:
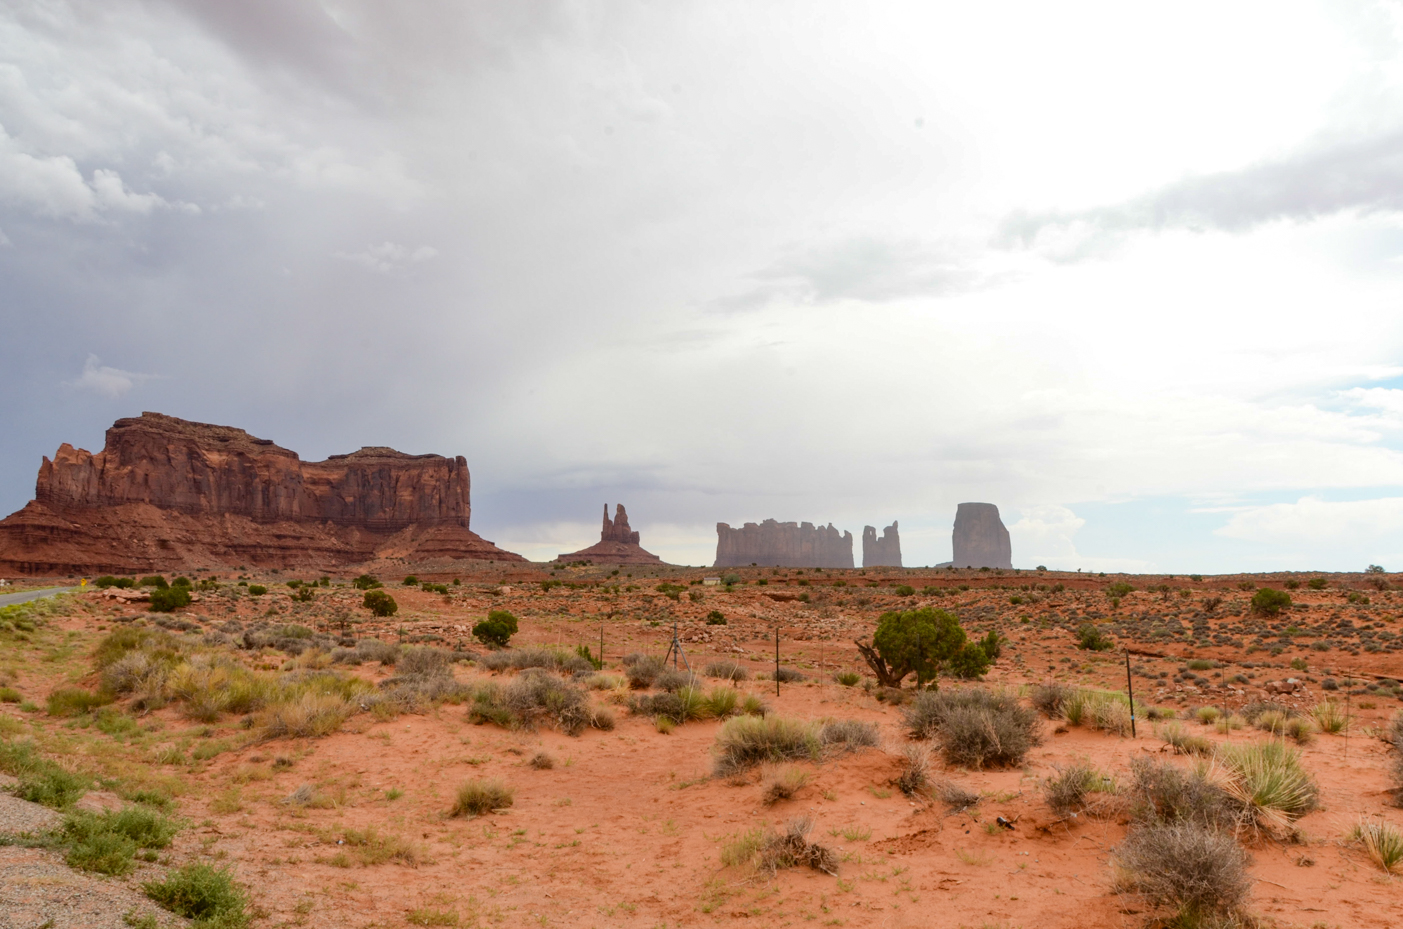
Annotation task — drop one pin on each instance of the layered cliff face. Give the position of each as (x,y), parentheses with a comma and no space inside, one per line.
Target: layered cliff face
(165,491)
(980,539)
(885,551)
(618,544)
(792,545)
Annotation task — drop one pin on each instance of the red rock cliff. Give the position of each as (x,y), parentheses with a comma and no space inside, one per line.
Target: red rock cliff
(217,494)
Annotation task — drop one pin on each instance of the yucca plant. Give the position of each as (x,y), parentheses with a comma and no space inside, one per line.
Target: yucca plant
(1382,842)
(1329,717)
(1268,780)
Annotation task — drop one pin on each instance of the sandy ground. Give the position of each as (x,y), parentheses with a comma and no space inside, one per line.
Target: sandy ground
(627,827)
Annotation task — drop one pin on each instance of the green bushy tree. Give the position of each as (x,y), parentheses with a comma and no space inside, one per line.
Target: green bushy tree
(497,629)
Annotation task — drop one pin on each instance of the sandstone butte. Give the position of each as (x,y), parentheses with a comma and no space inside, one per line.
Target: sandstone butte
(618,544)
(791,545)
(980,539)
(881,552)
(166,492)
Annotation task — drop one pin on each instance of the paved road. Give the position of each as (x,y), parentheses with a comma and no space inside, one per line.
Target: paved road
(27,595)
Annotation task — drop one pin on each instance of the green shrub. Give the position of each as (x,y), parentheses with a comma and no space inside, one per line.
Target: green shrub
(170,599)
(181,581)
(1270,602)
(847,678)
(480,797)
(1090,638)
(380,603)
(748,740)
(714,618)
(1317,583)
(73,701)
(919,641)
(410,580)
(497,629)
(905,590)
(366,582)
(1118,589)
(106,842)
(206,894)
(154,580)
(1292,584)
(40,780)
(257,590)
(10,695)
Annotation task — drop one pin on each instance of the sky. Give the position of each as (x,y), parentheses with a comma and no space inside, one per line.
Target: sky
(1132,272)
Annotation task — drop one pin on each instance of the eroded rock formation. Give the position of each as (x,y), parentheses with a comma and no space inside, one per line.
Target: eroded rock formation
(168,492)
(791,545)
(618,544)
(980,539)
(885,551)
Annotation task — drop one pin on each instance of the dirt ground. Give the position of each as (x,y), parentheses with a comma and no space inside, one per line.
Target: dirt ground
(626,828)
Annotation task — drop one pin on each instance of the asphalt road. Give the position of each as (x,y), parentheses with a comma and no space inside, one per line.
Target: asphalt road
(27,595)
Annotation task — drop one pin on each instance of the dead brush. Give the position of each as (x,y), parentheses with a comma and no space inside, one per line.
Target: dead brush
(1075,788)
(1198,873)
(792,849)
(914,779)
(784,784)
(954,796)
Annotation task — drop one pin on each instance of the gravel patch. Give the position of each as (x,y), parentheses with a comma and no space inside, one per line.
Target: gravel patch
(38,889)
(20,816)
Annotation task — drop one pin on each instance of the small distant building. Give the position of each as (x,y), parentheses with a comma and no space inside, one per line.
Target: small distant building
(711,582)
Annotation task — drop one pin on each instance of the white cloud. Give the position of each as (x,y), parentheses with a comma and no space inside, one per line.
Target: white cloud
(1316,522)
(388,256)
(108,381)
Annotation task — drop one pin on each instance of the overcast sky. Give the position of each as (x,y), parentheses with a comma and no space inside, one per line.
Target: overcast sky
(1132,272)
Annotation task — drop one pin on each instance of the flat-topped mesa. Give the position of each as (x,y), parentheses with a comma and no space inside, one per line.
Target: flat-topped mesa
(980,539)
(883,552)
(618,544)
(166,491)
(790,545)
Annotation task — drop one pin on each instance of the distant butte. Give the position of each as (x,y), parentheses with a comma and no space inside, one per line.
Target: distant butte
(618,544)
(881,552)
(791,545)
(980,539)
(166,492)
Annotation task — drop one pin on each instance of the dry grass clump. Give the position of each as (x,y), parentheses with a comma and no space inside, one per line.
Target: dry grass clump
(749,740)
(642,670)
(1197,872)
(914,778)
(546,659)
(425,661)
(975,727)
(848,735)
(386,653)
(1098,709)
(1069,792)
(725,668)
(791,848)
(688,703)
(1394,736)
(1051,699)
(535,697)
(1167,793)
(541,761)
(370,848)
(479,797)
(953,795)
(310,715)
(784,784)
(1383,843)
(1183,742)
(1329,717)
